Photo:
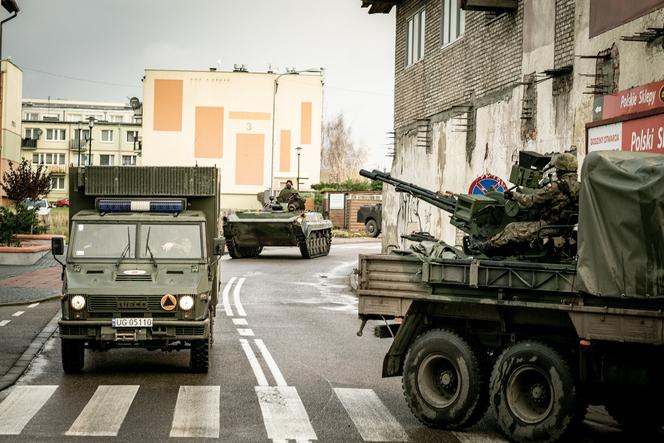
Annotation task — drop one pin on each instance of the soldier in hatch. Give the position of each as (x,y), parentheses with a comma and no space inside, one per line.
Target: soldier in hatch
(286,193)
(556,200)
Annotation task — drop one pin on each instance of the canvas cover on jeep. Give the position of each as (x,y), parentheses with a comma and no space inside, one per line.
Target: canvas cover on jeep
(621,225)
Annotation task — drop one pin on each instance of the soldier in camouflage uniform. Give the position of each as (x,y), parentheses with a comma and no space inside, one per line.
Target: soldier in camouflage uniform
(285,194)
(561,195)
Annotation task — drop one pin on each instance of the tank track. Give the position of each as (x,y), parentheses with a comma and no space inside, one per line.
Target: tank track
(316,245)
(242,251)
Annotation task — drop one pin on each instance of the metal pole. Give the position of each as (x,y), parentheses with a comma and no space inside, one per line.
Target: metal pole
(298,171)
(274,103)
(2,23)
(78,146)
(90,150)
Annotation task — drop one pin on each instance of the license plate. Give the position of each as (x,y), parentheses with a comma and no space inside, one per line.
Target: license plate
(131,323)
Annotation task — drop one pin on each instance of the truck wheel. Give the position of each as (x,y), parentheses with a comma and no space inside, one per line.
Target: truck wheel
(636,412)
(372,228)
(73,355)
(199,356)
(443,381)
(534,394)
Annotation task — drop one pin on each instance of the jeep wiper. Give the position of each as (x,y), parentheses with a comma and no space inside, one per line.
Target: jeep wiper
(148,249)
(125,251)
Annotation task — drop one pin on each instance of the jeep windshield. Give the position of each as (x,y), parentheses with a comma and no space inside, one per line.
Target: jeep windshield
(171,241)
(103,240)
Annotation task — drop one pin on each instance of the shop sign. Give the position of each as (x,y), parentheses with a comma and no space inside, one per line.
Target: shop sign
(485,183)
(638,135)
(630,101)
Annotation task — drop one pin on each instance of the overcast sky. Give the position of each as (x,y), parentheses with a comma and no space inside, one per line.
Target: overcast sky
(98,49)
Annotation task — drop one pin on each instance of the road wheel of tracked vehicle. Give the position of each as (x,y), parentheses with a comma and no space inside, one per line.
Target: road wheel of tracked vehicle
(199,356)
(443,381)
(73,355)
(637,412)
(372,228)
(534,394)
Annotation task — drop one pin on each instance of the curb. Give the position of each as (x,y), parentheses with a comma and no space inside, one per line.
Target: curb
(28,302)
(26,358)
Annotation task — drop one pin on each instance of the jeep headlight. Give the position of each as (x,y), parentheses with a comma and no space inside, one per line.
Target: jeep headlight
(77,302)
(186,302)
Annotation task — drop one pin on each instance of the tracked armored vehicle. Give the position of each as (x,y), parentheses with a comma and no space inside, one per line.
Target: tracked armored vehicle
(278,224)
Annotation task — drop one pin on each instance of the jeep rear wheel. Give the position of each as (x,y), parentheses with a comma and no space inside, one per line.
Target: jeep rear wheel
(372,228)
(73,355)
(199,360)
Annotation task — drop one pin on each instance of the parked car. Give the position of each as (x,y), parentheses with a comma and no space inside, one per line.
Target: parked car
(41,206)
(372,217)
(62,202)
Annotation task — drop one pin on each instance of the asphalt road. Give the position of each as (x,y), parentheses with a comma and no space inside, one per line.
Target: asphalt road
(286,366)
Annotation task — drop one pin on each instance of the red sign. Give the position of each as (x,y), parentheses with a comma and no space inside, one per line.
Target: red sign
(638,135)
(639,99)
(485,183)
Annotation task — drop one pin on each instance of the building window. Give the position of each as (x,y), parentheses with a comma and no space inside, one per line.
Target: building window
(84,158)
(107,135)
(117,118)
(415,38)
(55,134)
(128,160)
(132,136)
(32,133)
(106,160)
(81,134)
(51,117)
(453,21)
(73,117)
(48,158)
(57,183)
(32,116)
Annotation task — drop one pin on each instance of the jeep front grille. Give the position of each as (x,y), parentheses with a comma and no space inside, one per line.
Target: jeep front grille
(125,303)
(123,277)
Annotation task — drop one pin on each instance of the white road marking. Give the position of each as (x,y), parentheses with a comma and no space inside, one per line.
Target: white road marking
(276,373)
(34,305)
(284,415)
(240,321)
(224,297)
(18,313)
(4,322)
(372,419)
(197,412)
(253,362)
(105,412)
(21,405)
(236,298)
(245,332)
(472,437)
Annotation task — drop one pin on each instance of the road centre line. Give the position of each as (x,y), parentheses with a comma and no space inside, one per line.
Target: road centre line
(253,362)
(240,322)
(196,412)
(236,298)
(4,322)
(105,412)
(34,305)
(371,417)
(18,313)
(224,297)
(245,332)
(284,415)
(276,373)
(21,405)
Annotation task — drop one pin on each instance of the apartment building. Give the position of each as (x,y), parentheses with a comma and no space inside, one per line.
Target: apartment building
(56,133)
(11,89)
(476,81)
(260,129)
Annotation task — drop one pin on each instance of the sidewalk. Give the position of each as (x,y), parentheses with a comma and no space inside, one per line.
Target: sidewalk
(30,284)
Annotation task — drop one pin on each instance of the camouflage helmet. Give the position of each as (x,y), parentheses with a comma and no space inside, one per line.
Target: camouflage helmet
(565,162)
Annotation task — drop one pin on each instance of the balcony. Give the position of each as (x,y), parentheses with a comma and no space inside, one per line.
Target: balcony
(29,143)
(56,169)
(76,144)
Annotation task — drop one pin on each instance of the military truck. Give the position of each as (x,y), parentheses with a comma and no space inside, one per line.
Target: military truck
(141,267)
(371,216)
(537,342)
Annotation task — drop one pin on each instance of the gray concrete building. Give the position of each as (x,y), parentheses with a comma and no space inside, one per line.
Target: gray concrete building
(476,81)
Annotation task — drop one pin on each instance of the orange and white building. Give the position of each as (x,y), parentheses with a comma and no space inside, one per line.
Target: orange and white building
(247,124)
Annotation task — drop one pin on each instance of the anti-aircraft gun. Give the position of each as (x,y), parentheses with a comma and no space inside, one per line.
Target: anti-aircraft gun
(481,216)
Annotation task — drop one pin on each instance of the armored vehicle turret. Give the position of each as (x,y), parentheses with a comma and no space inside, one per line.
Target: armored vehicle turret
(278,224)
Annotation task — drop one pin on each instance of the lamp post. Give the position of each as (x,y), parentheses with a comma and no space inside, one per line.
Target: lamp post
(12,8)
(298,149)
(78,145)
(274,106)
(91,124)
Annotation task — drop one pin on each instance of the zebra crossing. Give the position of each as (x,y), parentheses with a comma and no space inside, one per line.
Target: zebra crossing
(197,412)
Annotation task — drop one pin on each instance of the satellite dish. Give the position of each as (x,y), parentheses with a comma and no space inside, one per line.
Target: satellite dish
(134,102)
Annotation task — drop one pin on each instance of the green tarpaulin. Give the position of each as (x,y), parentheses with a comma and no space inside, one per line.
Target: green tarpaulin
(621,221)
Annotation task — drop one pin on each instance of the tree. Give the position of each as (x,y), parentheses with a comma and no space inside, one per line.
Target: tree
(340,157)
(24,182)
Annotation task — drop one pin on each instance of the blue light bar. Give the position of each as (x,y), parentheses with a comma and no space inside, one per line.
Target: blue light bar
(171,206)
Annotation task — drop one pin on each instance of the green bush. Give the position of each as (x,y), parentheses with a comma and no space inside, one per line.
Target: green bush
(21,220)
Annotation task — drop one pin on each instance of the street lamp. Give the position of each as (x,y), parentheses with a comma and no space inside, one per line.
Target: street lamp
(274,105)
(78,145)
(12,8)
(298,149)
(91,124)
